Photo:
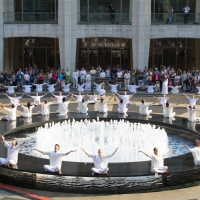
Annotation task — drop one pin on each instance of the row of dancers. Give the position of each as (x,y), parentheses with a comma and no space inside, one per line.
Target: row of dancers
(123,102)
(100,161)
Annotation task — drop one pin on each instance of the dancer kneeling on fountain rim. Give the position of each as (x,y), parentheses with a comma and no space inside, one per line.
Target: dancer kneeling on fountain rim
(55,159)
(157,161)
(100,162)
(12,153)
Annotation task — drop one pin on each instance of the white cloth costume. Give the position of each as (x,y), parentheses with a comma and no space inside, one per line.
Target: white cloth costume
(192,114)
(122,107)
(80,88)
(102,93)
(150,89)
(66,88)
(26,88)
(144,109)
(196,155)
(157,164)
(15,100)
(82,107)
(12,155)
(168,111)
(192,101)
(100,164)
(39,87)
(165,87)
(27,111)
(63,108)
(51,88)
(175,89)
(92,99)
(55,161)
(102,107)
(36,99)
(113,88)
(11,114)
(11,89)
(125,98)
(132,88)
(163,100)
(59,98)
(98,86)
(79,97)
(88,81)
(45,109)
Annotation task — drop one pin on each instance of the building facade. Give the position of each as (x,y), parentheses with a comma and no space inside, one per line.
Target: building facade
(67,33)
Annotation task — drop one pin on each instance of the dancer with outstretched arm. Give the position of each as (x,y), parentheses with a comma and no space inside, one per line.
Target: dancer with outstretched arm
(100,162)
(55,158)
(195,152)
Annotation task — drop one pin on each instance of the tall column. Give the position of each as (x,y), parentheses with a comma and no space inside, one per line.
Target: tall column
(197,53)
(67,13)
(8,53)
(141,25)
(197,11)
(9,11)
(1,35)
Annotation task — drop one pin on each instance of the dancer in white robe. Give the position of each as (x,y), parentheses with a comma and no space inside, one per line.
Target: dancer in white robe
(79,97)
(150,89)
(55,158)
(80,88)
(27,111)
(195,152)
(11,89)
(82,106)
(192,113)
(12,153)
(45,108)
(125,97)
(198,88)
(66,88)
(144,108)
(132,88)
(122,108)
(165,85)
(102,92)
(11,113)
(162,100)
(39,87)
(168,110)
(63,107)
(59,97)
(113,87)
(88,81)
(98,86)
(26,88)
(175,89)
(157,161)
(92,98)
(51,87)
(192,101)
(15,100)
(37,98)
(102,105)
(100,162)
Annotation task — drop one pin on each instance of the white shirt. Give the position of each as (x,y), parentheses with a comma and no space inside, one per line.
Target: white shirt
(143,108)
(157,161)
(127,76)
(36,99)
(11,113)
(59,99)
(102,107)
(102,92)
(125,98)
(63,108)
(82,74)
(186,9)
(119,74)
(196,154)
(12,153)
(192,101)
(167,111)
(75,75)
(163,100)
(28,112)
(27,77)
(83,106)
(15,100)
(45,108)
(100,163)
(55,158)
(98,86)
(102,75)
(113,87)
(79,97)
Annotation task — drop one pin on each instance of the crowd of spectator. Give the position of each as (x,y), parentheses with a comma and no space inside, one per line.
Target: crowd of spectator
(188,79)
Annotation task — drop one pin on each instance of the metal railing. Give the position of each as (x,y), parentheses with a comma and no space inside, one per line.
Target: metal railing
(104,18)
(34,17)
(177,18)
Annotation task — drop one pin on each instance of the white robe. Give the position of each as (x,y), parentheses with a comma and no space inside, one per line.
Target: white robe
(132,88)
(79,97)
(15,100)
(98,86)
(11,89)
(163,100)
(11,114)
(192,101)
(36,99)
(63,108)
(125,98)
(59,99)
(144,109)
(150,89)
(82,107)
(122,107)
(168,111)
(175,89)
(45,109)
(27,88)
(12,155)
(102,107)
(102,93)
(51,88)
(88,81)
(157,164)
(165,87)
(196,155)
(113,88)
(93,98)
(192,115)
(80,88)
(39,87)
(66,88)
(27,112)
